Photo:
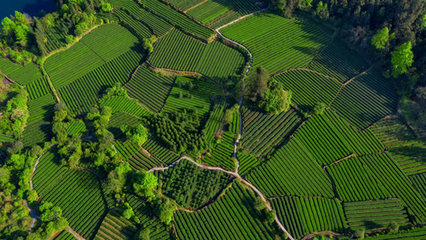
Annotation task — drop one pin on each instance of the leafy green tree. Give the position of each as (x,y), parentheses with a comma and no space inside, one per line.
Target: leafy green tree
(277,100)
(393,227)
(270,215)
(32,196)
(144,184)
(257,85)
(228,116)
(402,59)
(165,211)
(259,204)
(359,233)
(381,39)
(143,234)
(319,108)
(148,43)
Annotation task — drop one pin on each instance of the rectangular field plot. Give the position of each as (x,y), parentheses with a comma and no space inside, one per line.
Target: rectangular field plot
(192,186)
(328,138)
(145,212)
(232,216)
(198,98)
(41,108)
(293,172)
(181,52)
(185,4)
(419,183)
(37,133)
(38,88)
(139,28)
(89,54)
(339,62)
(64,67)
(115,226)
(355,181)
(83,93)
(375,214)
(208,11)
(277,44)
(366,99)
(24,75)
(303,215)
(309,88)
(262,132)
(125,104)
(397,184)
(76,192)
(392,132)
(150,88)
(180,20)
(157,24)
(222,153)
(110,41)
(411,157)
(135,156)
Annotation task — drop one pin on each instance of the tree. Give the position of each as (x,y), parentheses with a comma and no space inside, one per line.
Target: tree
(359,233)
(402,59)
(320,108)
(148,42)
(257,85)
(270,215)
(393,227)
(381,39)
(277,100)
(144,184)
(259,204)
(421,92)
(143,234)
(165,211)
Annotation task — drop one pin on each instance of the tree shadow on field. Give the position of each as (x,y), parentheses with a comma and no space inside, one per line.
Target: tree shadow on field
(49,111)
(371,224)
(248,202)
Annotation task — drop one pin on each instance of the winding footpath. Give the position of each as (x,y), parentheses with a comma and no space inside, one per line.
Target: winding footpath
(235,174)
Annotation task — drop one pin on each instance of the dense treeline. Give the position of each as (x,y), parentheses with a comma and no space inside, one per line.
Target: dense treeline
(389,33)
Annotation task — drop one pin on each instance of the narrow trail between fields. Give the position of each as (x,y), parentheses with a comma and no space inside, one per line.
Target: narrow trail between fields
(236,174)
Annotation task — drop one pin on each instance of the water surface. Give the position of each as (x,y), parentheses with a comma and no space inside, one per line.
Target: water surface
(32,7)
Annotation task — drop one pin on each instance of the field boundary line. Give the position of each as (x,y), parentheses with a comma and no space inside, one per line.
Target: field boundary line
(8,78)
(196,5)
(359,75)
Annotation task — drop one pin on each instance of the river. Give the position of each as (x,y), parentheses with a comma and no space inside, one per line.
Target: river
(32,7)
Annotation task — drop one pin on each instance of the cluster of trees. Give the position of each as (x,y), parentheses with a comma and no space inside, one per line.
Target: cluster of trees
(266,93)
(70,145)
(148,42)
(260,205)
(73,18)
(52,221)
(15,38)
(179,132)
(15,112)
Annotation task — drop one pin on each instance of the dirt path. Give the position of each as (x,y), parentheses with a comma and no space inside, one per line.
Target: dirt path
(234,174)
(196,5)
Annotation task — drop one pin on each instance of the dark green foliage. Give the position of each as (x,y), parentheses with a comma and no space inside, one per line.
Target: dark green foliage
(179,132)
(192,186)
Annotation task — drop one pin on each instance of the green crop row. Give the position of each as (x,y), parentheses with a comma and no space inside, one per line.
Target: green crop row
(231,217)
(303,215)
(222,154)
(140,29)
(309,88)
(149,88)
(293,172)
(339,62)
(83,93)
(262,131)
(366,99)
